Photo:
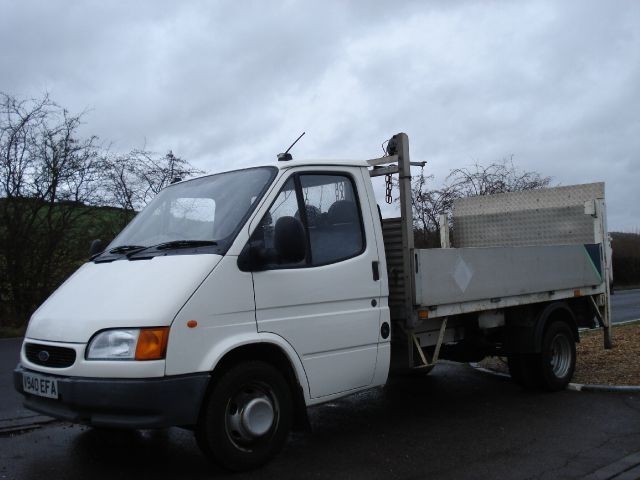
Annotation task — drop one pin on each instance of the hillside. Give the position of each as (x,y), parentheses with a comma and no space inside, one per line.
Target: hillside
(41,245)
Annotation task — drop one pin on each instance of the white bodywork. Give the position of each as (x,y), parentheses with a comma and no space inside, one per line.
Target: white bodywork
(334,329)
(326,319)
(329,333)
(145,293)
(119,294)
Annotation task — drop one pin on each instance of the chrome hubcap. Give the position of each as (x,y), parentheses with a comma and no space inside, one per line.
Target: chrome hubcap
(257,416)
(560,356)
(250,415)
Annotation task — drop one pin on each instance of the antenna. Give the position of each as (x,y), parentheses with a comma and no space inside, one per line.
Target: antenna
(286,156)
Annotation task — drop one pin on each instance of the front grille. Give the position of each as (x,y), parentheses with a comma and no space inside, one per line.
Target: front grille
(50,356)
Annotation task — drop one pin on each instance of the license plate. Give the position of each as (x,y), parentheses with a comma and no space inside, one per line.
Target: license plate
(40,385)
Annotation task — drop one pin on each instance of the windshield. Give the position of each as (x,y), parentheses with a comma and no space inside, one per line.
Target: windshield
(204,212)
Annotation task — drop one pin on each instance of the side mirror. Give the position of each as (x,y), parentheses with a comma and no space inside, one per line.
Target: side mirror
(252,258)
(289,247)
(96,247)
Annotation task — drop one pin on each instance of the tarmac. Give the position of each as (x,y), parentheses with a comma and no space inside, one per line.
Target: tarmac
(13,416)
(436,427)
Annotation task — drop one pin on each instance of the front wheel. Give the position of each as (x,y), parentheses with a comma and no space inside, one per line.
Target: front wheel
(246,417)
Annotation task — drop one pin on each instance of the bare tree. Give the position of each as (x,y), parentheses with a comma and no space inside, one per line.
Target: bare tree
(122,181)
(499,177)
(133,179)
(58,191)
(46,171)
(430,203)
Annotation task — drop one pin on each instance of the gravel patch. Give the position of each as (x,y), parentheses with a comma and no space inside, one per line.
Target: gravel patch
(595,365)
(618,366)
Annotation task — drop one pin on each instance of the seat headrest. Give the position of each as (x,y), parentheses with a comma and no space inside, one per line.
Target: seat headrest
(289,239)
(343,211)
(313,215)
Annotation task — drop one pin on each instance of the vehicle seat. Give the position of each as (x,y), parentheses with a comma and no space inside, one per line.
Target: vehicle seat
(289,240)
(341,237)
(314,217)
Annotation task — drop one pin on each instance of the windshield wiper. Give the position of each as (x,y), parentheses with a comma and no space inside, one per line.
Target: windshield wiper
(174,244)
(184,244)
(126,248)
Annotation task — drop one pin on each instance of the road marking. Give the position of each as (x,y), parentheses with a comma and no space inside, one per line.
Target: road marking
(626,322)
(13,425)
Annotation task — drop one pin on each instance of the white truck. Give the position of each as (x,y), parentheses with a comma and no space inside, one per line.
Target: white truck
(234,301)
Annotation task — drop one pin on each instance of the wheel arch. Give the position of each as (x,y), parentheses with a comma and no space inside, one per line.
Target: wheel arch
(276,352)
(556,311)
(525,325)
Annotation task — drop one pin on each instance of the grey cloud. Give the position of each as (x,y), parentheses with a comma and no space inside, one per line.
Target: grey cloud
(232,83)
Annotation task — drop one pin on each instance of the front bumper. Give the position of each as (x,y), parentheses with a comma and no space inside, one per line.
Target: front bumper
(123,402)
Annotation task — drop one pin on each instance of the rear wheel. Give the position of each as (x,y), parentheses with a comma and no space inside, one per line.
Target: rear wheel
(557,360)
(524,369)
(552,368)
(246,417)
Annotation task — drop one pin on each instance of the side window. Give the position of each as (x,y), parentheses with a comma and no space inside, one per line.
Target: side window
(328,229)
(333,217)
(280,236)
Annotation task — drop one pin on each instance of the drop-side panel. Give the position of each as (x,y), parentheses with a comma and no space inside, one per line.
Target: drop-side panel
(455,275)
(549,216)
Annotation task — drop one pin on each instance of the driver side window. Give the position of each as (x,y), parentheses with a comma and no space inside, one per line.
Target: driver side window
(280,235)
(315,220)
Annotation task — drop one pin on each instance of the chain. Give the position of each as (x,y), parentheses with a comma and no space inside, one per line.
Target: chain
(387,182)
(339,191)
(306,196)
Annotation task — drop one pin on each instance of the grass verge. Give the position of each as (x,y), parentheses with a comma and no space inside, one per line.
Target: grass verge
(10,332)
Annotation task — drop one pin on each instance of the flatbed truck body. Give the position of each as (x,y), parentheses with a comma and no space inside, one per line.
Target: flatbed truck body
(234,301)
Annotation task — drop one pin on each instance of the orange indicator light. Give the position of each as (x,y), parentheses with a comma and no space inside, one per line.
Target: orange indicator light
(192,324)
(152,343)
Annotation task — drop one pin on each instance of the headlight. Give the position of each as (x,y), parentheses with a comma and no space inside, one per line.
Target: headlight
(129,344)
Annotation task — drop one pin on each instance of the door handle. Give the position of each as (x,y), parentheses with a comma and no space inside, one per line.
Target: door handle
(375,266)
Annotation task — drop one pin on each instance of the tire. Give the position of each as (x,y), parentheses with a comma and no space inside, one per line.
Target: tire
(557,360)
(525,370)
(246,417)
(552,368)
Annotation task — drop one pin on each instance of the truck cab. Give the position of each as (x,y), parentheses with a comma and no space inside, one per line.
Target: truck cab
(278,270)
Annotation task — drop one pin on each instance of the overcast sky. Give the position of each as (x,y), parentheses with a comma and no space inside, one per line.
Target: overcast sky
(231,83)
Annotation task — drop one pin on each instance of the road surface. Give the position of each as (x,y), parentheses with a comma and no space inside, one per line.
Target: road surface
(454,423)
(625,305)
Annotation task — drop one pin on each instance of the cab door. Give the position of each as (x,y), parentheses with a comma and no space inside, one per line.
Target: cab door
(322,295)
